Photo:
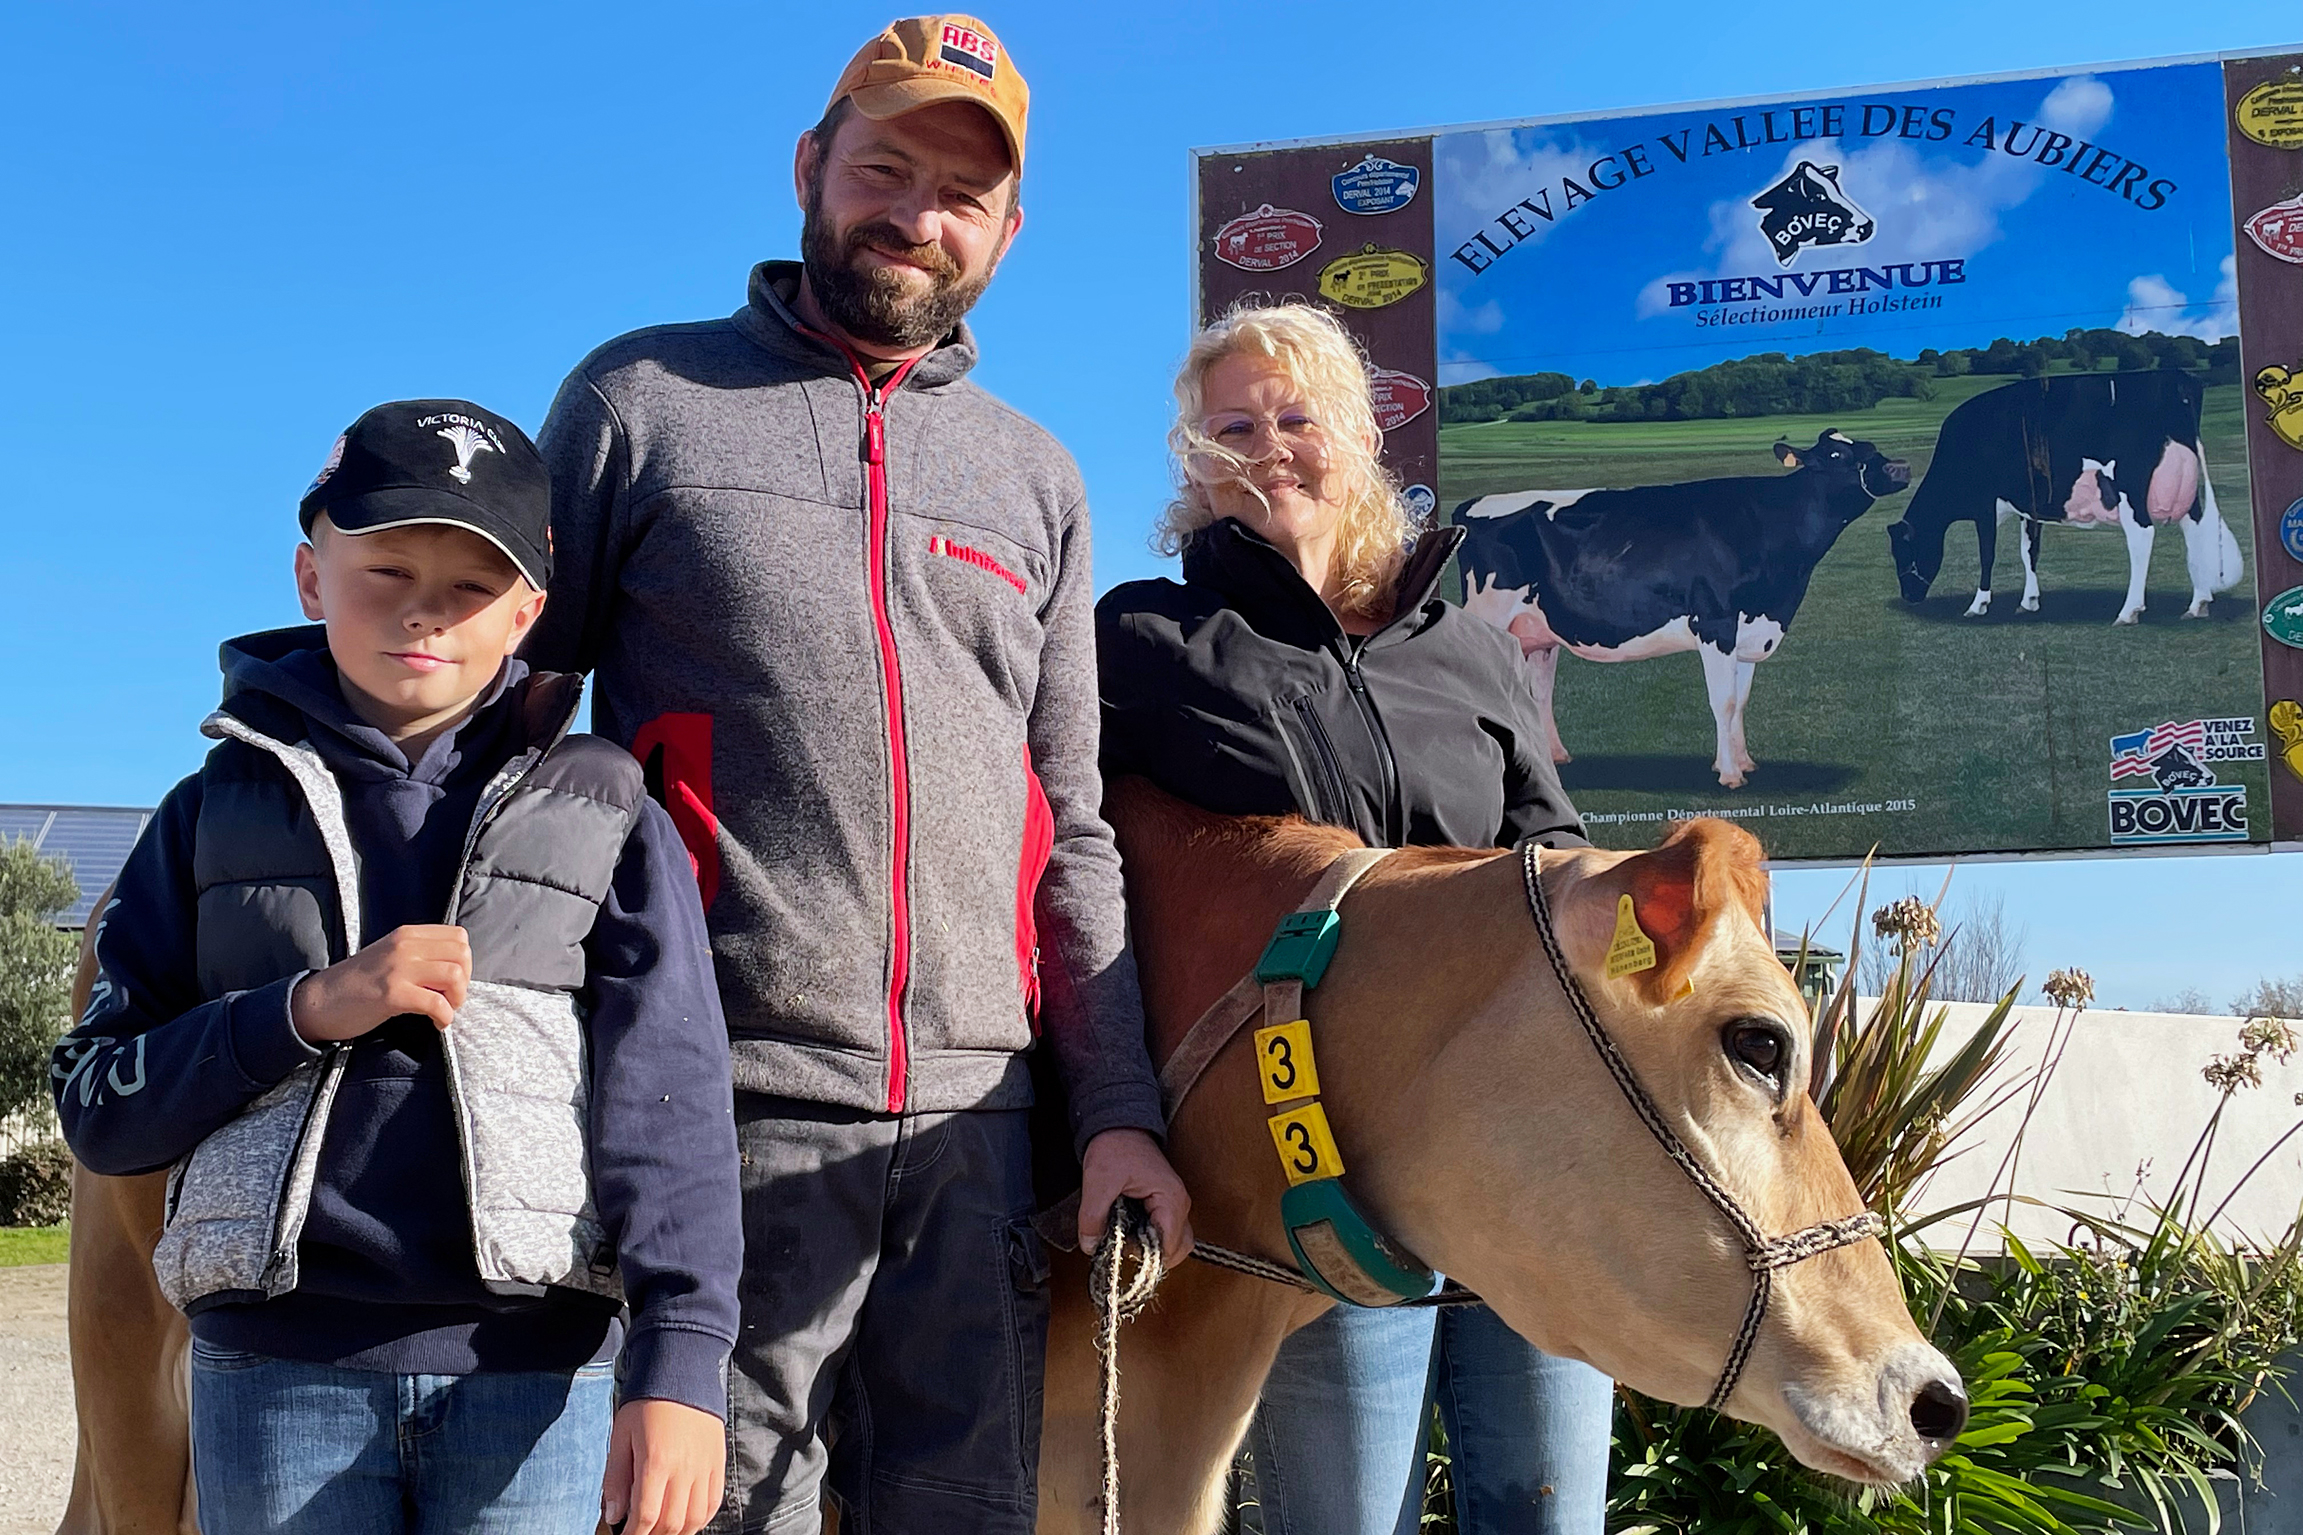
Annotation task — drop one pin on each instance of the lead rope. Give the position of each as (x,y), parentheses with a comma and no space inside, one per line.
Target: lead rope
(1120,1292)
(1450,1294)
(1762,1255)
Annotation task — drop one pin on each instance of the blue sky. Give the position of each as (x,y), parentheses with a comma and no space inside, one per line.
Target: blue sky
(1590,292)
(231,229)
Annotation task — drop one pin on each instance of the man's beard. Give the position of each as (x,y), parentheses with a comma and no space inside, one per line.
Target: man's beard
(880,305)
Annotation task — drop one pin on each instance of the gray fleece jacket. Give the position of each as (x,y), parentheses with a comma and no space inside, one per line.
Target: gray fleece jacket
(848,630)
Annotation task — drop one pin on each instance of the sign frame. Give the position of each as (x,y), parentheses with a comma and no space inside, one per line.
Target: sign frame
(1415,351)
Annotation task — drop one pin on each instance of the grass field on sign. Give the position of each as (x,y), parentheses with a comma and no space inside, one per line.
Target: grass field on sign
(1997,728)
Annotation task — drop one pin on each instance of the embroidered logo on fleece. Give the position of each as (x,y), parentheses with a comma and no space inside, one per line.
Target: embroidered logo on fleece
(938,544)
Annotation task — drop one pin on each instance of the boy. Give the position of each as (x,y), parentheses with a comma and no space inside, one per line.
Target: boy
(412,989)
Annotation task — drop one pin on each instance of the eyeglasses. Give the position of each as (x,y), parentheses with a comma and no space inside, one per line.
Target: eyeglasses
(1236,430)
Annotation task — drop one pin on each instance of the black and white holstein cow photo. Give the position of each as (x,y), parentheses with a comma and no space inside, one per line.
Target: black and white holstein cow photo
(1718,567)
(2086,450)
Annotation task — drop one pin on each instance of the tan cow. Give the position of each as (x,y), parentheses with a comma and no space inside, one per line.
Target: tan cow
(1480,1128)
(132,1469)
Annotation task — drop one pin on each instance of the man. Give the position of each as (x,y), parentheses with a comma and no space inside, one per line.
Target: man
(838,602)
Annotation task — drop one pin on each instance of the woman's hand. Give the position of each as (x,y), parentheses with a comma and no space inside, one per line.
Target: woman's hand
(1131,1162)
(667,1468)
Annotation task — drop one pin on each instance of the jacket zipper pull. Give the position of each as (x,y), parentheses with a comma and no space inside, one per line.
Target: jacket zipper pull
(875,434)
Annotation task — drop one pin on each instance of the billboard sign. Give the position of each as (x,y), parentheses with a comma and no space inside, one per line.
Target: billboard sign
(1903,468)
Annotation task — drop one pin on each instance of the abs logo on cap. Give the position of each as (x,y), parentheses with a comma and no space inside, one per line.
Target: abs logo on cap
(970,50)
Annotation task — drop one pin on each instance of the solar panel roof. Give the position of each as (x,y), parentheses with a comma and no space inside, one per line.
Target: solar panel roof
(92,840)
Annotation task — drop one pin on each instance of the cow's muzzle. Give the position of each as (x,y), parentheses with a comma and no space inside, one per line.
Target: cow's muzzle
(1896,472)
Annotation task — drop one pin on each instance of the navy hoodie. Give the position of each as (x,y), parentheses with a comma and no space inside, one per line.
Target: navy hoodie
(388,1281)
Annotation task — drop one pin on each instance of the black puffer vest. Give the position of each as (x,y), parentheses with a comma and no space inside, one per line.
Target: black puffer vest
(278,892)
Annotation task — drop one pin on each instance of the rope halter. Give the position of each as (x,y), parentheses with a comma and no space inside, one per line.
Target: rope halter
(1762,1253)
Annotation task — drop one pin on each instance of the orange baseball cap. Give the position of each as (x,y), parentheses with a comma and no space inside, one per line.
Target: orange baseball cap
(922,60)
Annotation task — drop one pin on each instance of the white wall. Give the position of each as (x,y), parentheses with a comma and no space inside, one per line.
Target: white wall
(2128,1096)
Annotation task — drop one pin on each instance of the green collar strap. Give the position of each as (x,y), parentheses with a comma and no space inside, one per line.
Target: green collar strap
(1301,948)
(1343,1256)
(1337,1249)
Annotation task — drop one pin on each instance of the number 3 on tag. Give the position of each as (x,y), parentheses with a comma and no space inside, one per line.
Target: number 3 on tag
(1284,1061)
(1306,1145)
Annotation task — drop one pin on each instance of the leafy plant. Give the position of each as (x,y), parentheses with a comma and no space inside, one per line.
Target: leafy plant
(35,970)
(36,1185)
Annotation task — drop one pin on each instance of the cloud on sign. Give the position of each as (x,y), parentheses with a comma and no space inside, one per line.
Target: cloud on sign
(1475,177)
(2154,303)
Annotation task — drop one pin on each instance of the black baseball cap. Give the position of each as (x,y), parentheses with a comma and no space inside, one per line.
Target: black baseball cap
(448,462)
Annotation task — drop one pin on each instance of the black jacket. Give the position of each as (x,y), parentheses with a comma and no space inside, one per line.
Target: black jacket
(1239,692)
(172,1048)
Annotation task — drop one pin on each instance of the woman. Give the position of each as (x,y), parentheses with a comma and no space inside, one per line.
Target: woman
(1306,665)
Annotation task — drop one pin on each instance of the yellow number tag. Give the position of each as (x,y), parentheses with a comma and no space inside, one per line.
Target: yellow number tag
(1284,1060)
(1632,950)
(1306,1145)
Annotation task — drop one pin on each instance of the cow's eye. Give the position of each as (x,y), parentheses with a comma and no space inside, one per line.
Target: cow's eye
(1761,1047)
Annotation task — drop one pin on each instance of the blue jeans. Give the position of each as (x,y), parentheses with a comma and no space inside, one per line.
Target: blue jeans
(1339,1436)
(283,1446)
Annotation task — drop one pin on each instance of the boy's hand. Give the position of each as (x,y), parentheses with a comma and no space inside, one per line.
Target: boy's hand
(413,969)
(1131,1162)
(667,1468)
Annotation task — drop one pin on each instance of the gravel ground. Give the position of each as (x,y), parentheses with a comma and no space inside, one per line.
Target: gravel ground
(35,1400)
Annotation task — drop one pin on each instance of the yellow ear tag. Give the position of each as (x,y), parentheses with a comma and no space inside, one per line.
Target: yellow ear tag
(1631,950)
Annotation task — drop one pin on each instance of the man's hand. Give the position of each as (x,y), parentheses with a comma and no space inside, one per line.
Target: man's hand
(667,1467)
(1131,1162)
(413,969)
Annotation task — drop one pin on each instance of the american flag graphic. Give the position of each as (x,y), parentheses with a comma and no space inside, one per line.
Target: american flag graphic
(2132,755)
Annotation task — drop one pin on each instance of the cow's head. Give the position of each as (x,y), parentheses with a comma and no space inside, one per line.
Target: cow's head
(1918,556)
(1555,1188)
(1845,465)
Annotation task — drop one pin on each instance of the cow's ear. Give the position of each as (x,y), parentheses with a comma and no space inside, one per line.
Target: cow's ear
(1648,919)
(1787,455)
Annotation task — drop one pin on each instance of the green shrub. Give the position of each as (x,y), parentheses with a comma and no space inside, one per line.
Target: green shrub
(2106,1383)
(36,1185)
(36,962)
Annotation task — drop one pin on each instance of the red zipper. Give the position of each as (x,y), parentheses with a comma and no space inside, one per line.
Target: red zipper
(875,454)
(875,451)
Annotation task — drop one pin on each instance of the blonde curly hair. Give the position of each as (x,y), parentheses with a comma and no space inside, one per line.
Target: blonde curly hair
(1320,358)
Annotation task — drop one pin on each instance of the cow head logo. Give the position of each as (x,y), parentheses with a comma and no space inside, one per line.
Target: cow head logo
(2175,768)
(2173,756)
(469,442)
(1808,208)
